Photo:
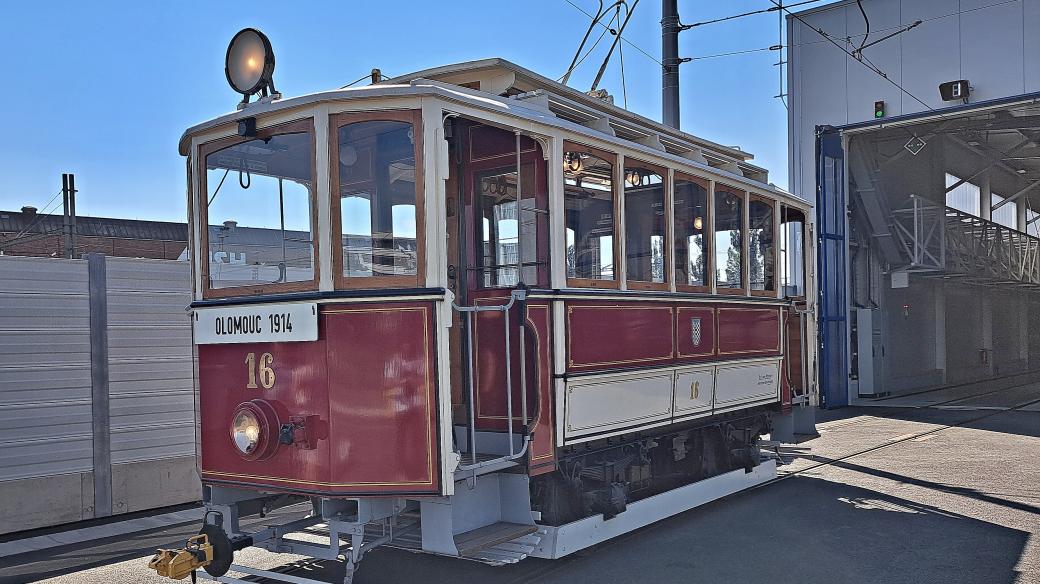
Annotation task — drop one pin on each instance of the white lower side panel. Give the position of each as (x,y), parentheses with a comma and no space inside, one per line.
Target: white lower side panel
(567,539)
(623,400)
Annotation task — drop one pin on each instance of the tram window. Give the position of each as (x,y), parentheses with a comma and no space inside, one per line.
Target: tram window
(501,233)
(792,252)
(691,222)
(589,205)
(644,223)
(729,232)
(761,245)
(259,197)
(377,199)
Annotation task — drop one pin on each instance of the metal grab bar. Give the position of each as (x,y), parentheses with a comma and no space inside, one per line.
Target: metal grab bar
(467,312)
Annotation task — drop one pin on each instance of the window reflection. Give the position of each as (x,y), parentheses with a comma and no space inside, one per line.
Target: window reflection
(589,207)
(729,247)
(501,230)
(377,186)
(644,224)
(792,252)
(258,206)
(761,258)
(691,221)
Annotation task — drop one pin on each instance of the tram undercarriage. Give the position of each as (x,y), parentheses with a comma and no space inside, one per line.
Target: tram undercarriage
(552,515)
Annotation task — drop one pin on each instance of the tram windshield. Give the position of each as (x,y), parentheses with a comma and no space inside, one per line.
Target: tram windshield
(259,197)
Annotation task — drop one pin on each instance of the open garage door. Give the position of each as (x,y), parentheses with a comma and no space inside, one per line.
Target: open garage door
(831,244)
(929,253)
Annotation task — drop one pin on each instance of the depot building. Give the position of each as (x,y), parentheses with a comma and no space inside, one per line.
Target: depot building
(916,127)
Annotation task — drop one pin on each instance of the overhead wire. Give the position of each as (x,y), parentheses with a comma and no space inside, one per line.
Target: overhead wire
(621,30)
(44,211)
(578,61)
(742,15)
(630,43)
(866,22)
(866,64)
(825,38)
(362,78)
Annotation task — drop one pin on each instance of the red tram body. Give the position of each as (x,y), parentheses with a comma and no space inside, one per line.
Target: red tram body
(490,308)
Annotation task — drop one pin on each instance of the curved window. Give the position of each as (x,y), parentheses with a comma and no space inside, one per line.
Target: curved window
(761,246)
(588,193)
(376,195)
(729,237)
(644,224)
(259,210)
(691,226)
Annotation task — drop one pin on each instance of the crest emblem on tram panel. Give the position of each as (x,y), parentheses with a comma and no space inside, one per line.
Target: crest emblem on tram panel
(695,331)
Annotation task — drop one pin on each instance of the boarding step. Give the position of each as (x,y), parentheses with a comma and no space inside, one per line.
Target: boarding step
(498,543)
(489,463)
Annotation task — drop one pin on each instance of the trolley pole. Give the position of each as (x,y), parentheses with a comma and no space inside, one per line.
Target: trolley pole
(670,62)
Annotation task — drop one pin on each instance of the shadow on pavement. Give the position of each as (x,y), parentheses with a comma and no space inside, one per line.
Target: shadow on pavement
(802,529)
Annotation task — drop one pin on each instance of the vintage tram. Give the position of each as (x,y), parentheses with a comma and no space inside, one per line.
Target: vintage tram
(473,312)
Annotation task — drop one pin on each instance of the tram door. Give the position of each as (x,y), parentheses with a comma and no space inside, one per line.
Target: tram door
(498,221)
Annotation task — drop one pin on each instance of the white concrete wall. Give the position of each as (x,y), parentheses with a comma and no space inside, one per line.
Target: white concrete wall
(994,44)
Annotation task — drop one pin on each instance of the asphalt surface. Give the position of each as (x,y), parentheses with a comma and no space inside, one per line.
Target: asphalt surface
(885,494)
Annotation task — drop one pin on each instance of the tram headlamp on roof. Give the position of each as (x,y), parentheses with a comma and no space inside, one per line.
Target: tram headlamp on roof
(249,65)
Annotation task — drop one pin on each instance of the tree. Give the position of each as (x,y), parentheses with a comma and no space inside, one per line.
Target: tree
(733,267)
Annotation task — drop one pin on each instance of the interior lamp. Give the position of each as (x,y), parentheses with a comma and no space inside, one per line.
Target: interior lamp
(573,162)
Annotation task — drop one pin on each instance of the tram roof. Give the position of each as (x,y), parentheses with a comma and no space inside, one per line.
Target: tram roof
(510,88)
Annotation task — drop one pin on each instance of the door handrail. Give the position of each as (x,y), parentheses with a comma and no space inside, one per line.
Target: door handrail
(467,313)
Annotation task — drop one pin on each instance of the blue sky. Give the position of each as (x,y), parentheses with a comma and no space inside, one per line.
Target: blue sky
(105,89)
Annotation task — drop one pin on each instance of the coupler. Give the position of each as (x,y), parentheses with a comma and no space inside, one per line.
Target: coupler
(179,564)
(212,550)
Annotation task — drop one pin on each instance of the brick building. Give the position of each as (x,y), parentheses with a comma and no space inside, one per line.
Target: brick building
(28,233)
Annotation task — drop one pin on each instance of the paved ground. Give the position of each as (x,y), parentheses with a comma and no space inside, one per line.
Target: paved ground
(911,494)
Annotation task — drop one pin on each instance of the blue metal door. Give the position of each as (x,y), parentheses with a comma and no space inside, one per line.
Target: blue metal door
(831,217)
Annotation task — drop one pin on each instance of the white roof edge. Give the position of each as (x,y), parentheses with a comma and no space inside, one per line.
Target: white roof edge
(573,94)
(449,92)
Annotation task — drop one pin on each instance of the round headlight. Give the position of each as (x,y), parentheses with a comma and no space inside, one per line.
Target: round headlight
(252,425)
(249,63)
(245,431)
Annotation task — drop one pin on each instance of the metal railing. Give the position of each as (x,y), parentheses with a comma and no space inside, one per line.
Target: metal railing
(937,238)
(468,312)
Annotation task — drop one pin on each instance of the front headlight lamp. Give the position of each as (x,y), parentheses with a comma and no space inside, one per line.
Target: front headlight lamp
(253,428)
(245,431)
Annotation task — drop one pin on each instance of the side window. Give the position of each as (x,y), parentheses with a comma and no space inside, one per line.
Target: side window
(729,237)
(761,245)
(258,208)
(589,208)
(644,223)
(377,194)
(507,238)
(690,205)
(792,252)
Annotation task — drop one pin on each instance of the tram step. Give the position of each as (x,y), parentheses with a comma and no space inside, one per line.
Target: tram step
(467,458)
(501,542)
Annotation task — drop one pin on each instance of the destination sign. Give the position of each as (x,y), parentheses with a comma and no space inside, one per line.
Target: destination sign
(262,323)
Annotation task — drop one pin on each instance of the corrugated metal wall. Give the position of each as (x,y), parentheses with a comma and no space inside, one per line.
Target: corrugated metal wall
(150,359)
(45,415)
(46,418)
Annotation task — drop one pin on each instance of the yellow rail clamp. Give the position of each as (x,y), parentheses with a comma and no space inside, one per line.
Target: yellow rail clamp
(179,564)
